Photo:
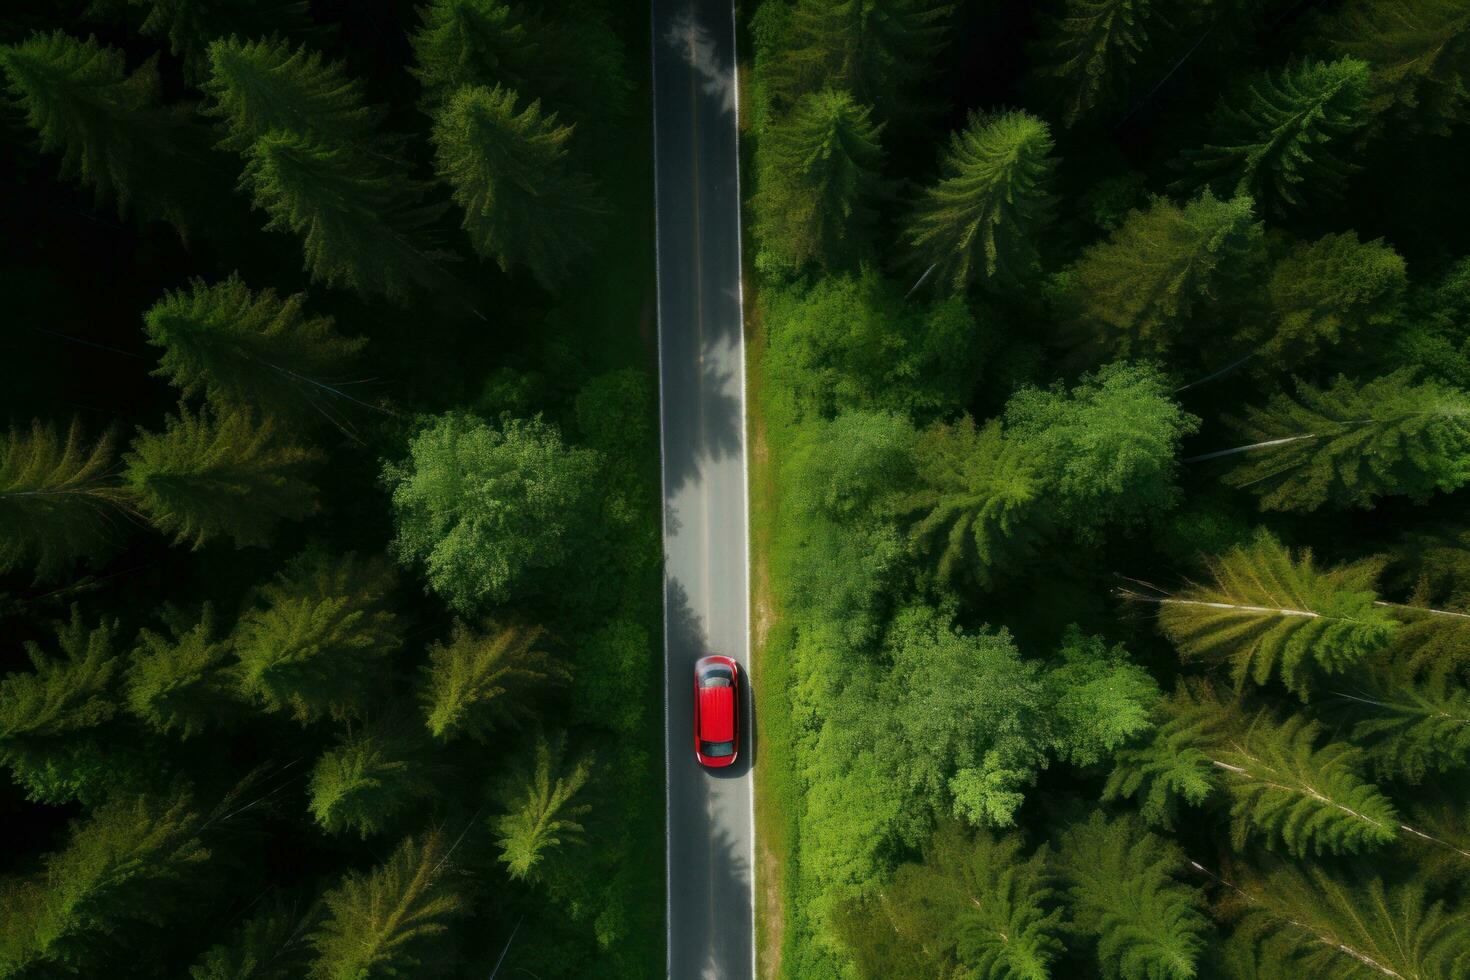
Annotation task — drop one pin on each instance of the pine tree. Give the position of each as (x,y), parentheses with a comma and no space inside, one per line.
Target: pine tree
(978,500)
(1140,289)
(314,641)
(1351,443)
(1411,723)
(219,475)
(1091,51)
(185,680)
(370,777)
(257,88)
(1420,53)
(110,128)
(523,203)
(541,815)
(190,25)
(387,922)
(1122,890)
(1270,613)
(1281,138)
(819,179)
(1176,766)
(253,349)
(1328,292)
(479,681)
(977,905)
(58,502)
(983,218)
(270,945)
(1432,335)
(49,718)
(127,864)
(1354,928)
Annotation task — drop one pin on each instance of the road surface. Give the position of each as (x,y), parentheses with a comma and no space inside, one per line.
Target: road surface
(702,405)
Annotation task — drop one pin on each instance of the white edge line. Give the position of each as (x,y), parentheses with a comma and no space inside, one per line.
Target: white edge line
(744,465)
(663,505)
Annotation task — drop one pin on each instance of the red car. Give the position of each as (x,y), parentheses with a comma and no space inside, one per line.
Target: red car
(716,711)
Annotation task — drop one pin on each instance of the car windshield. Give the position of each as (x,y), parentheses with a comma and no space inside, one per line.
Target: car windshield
(717,750)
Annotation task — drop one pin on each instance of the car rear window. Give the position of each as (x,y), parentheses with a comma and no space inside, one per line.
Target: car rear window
(717,750)
(716,675)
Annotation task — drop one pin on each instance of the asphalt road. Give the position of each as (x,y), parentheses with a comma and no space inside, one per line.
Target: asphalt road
(702,401)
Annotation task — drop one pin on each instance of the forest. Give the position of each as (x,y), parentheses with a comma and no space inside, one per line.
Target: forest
(1111,363)
(329,521)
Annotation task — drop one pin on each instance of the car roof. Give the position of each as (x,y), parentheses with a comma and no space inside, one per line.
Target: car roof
(717,714)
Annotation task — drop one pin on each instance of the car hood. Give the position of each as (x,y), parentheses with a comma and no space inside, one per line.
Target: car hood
(717,714)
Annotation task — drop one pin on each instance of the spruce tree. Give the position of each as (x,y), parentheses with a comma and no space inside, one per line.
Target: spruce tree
(216,475)
(510,171)
(818,183)
(1420,53)
(479,681)
(1432,335)
(190,25)
(314,642)
(58,500)
(1175,766)
(49,717)
(1122,890)
(983,219)
(247,348)
(541,813)
(391,921)
(270,945)
(110,128)
(1089,53)
(1282,138)
(1138,291)
(1270,613)
(1351,443)
(370,777)
(183,681)
(1412,723)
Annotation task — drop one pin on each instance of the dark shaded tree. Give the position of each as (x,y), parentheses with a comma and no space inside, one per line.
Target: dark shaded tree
(542,811)
(480,680)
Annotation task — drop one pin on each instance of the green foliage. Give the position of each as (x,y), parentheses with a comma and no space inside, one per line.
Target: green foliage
(1090,50)
(1175,767)
(1099,700)
(183,681)
(1352,442)
(975,905)
(110,128)
(219,474)
(244,348)
(818,183)
(1108,448)
(1419,50)
(1139,291)
(1122,888)
(373,774)
(1270,613)
(541,813)
(1411,723)
(1435,333)
(480,681)
(190,25)
(49,717)
(982,220)
(1279,138)
(523,203)
(491,512)
(57,501)
(313,642)
(270,945)
(389,922)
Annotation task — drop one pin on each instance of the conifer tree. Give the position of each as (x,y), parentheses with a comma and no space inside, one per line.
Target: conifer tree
(1352,443)
(58,501)
(1122,890)
(1420,53)
(184,680)
(368,779)
(523,203)
(1175,767)
(190,25)
(252,349)
(1281,138)
(542,814)
(110,128)
(313,643)
(1432,334)
(978,498)
(388,922)
(1137,291)
(819,178)
(982,220)
(219,475)
(1091,51)
(1411,723)
(1270,613)
(977,906)
(49,717)
(479,681)
(270,945)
